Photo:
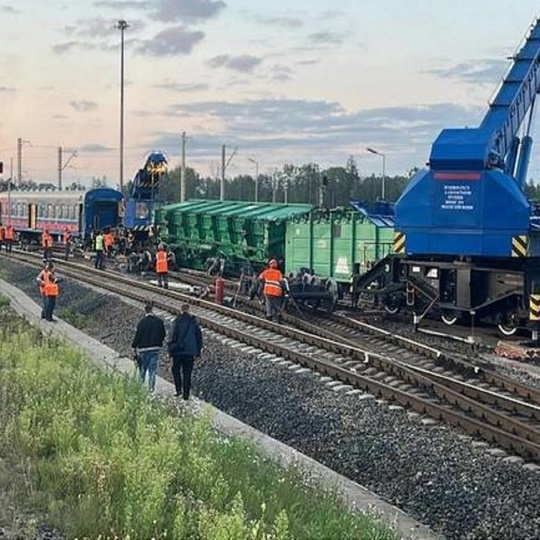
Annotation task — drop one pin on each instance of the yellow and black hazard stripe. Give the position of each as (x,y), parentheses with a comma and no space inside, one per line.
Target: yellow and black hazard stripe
(399,242)
(520,246)
(534,307)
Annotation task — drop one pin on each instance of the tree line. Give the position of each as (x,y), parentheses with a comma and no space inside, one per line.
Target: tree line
(307,183)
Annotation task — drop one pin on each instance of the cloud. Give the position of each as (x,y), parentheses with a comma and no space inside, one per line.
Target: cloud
(7,90)
(186,87)
(66,47)
(95,148)
(282,22)
(188,10)
(9,9)
(327,38)
(483,71)
(171,42)
(244,63)
(122,4)
(83,106)
(295,129)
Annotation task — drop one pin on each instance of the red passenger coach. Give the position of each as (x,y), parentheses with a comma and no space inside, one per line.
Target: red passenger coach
(80,212)
(30,212)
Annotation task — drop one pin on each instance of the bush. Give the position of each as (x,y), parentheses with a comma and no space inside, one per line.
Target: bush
(105,460)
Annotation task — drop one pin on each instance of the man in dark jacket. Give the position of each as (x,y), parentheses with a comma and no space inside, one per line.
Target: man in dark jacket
(147,342)
(185,344)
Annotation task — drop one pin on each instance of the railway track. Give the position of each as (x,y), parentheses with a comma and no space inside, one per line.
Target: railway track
(491,406)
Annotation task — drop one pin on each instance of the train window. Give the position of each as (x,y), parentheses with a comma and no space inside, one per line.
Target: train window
(41,210)
(49,211)
(74,211)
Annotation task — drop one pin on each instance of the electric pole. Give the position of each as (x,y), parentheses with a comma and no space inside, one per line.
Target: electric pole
(183,170)
(59,167)
(222,185)
(19,161)
(224,166)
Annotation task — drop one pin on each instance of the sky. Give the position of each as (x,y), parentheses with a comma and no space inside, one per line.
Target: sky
(286,81)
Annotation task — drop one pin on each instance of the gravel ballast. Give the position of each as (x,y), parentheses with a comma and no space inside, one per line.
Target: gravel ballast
(436,474)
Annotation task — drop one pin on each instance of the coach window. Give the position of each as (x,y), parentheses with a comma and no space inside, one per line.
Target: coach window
(41,210)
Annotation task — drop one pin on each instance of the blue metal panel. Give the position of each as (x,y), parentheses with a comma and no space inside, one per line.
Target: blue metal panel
(380,213)
(139,213)
(468,213)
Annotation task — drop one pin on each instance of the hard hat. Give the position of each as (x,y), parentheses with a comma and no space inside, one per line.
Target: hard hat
(273,263)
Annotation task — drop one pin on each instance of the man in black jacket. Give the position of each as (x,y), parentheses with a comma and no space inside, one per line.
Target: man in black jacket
(185,344)
(147,342)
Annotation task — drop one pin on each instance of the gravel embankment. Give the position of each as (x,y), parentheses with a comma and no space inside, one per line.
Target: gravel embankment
(436,474)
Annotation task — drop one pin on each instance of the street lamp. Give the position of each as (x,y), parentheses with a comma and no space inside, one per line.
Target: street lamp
(256,178)
(122,25)
(372,151)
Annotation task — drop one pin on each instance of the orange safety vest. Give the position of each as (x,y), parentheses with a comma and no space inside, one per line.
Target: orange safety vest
(9,234)
(2,232)
(51,288)
(108,239)
(44,278)
(162,266)
(272,282)
(46,240)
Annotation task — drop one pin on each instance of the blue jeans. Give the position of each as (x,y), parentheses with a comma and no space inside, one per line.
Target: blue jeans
(149,363)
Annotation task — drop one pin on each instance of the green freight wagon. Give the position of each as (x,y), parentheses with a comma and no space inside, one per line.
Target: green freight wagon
(332,242)
(242,233)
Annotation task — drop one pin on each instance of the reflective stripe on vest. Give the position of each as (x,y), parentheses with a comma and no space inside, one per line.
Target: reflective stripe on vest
(161,262)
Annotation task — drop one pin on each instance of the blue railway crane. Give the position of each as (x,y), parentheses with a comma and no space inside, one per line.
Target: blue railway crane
(470,202)
(466,239)
(141,203)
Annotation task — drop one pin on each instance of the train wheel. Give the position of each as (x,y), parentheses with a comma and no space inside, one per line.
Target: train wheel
(507,329)
(509,326)
(449,317)
(392,305)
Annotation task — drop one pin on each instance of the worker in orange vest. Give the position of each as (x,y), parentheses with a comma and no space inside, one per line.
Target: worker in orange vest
(52,290)
(66,239)
(2,235)
(9,237)
(162,267)
(46,244)
(108,241)
(43,279)
(272,279)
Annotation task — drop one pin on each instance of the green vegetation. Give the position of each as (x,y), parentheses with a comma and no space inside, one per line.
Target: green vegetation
(104,460)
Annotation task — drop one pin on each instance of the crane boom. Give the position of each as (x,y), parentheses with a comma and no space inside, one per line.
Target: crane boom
(489,145)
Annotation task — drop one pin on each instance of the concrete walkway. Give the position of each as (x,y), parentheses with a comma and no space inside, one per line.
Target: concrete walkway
(355,495)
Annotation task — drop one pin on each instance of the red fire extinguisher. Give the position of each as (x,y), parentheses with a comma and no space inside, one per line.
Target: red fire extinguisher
(220,289)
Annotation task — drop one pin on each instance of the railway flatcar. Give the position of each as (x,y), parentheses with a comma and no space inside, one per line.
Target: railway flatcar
(80,212)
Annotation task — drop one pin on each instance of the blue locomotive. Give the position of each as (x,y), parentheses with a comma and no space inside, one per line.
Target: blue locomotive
(467,240)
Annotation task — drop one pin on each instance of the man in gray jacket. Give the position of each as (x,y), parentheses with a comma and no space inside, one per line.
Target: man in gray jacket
(147,342)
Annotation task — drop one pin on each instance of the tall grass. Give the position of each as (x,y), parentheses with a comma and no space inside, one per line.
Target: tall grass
(105,461)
